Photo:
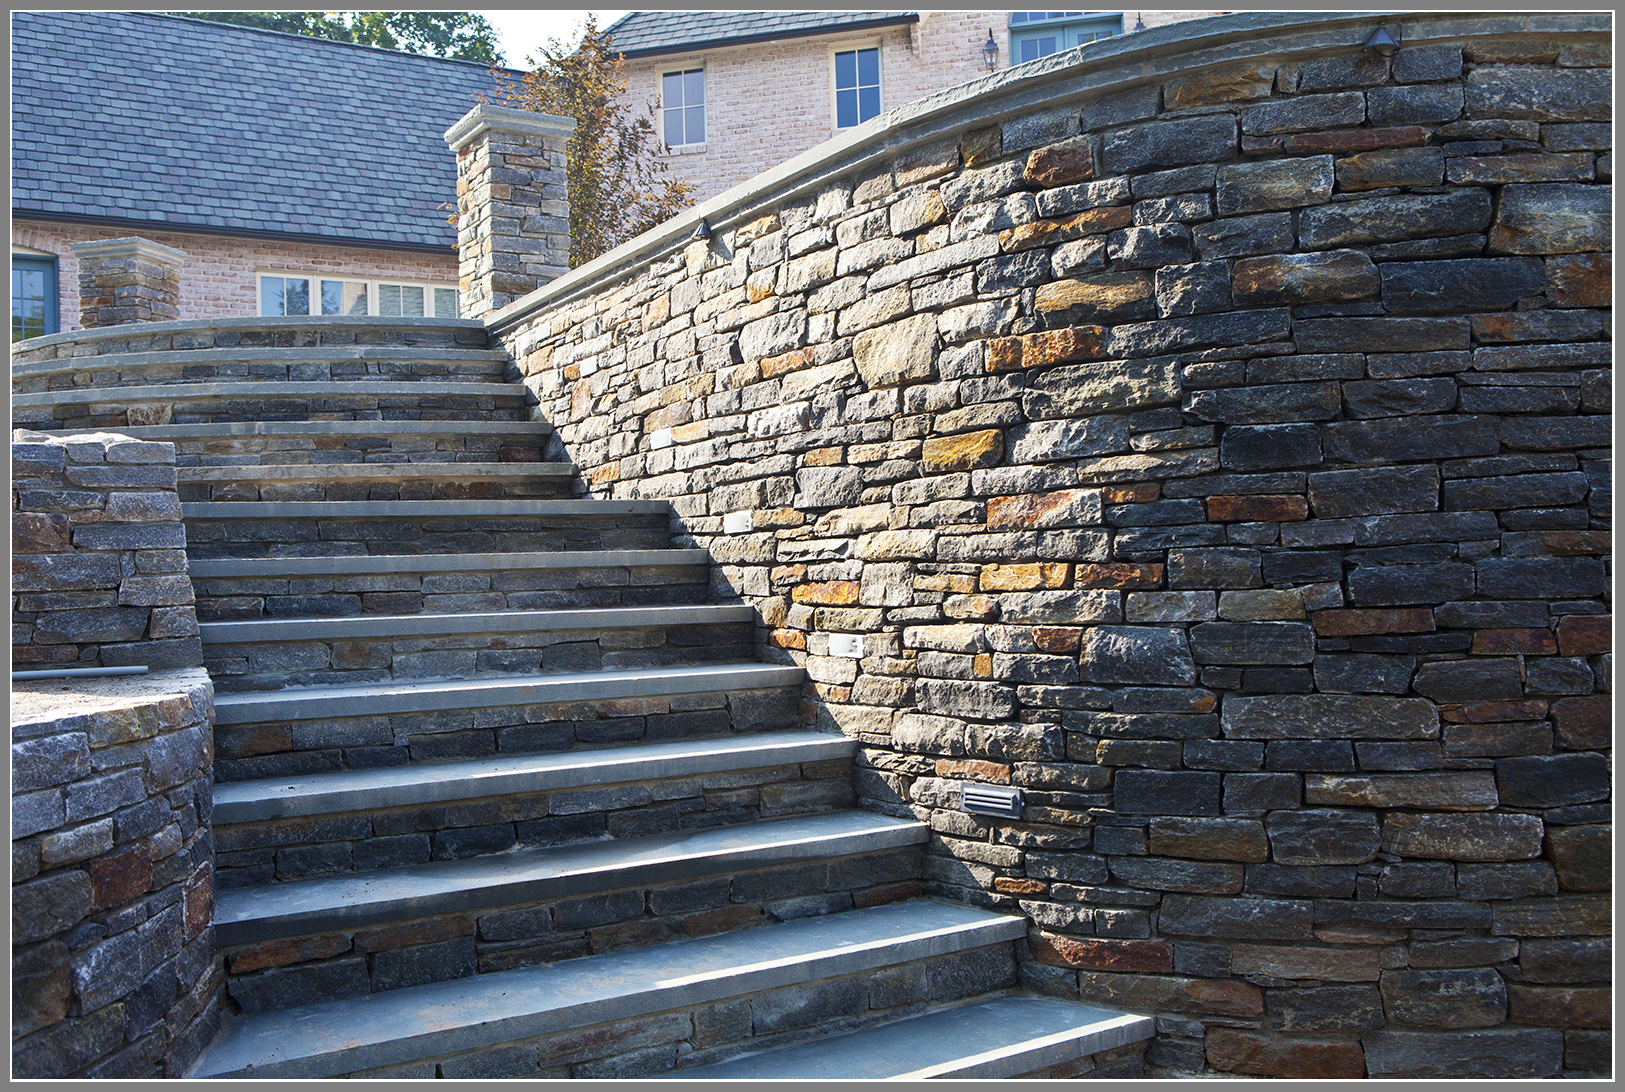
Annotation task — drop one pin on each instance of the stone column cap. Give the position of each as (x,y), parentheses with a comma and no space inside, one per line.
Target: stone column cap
(134,244)
(486,118)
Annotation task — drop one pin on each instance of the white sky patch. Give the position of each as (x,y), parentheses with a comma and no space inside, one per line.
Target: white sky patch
(520,33)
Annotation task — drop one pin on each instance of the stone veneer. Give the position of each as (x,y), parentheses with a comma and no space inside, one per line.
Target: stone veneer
(113,967)
(1210,437)
(98,572)
(127,280)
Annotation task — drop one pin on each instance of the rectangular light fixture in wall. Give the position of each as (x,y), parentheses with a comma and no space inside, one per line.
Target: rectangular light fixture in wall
(849,645)
(737,523)
(979,799)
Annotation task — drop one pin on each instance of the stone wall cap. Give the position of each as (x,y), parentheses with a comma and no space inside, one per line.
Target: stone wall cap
(148,330)
(1096,69)
(486,118)
(130,245)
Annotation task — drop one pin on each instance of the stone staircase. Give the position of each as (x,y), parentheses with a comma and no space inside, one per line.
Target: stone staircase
(499,793)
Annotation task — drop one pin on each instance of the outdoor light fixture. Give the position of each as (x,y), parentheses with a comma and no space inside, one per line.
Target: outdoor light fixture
(990,51)
(701,232)
(1139,23)
(1383,42)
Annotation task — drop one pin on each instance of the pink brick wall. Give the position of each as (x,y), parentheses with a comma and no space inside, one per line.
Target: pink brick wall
(769,102)
(218,279)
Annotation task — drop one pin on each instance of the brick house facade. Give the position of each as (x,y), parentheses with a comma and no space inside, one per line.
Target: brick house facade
(770,76)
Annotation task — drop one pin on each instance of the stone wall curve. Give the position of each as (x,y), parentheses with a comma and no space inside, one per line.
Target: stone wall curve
(1209,435)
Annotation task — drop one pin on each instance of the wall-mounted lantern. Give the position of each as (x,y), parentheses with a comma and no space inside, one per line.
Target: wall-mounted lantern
(990,51)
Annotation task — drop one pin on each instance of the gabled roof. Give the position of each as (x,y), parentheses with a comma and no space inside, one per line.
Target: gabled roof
(651,33)
(121,117)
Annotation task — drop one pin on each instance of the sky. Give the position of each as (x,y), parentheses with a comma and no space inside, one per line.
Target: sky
(521,31)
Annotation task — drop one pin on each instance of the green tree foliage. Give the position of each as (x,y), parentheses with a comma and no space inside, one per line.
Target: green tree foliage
(459,35)
(616,184)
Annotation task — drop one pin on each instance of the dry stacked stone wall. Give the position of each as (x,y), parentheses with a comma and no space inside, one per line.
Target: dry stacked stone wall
(113,967)
(98,575)
(1223,460)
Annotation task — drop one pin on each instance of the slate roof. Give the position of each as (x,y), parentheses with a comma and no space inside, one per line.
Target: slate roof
(192,124)
(651,33)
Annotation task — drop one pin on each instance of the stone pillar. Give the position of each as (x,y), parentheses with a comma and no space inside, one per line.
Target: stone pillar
(513,207)
(127,280)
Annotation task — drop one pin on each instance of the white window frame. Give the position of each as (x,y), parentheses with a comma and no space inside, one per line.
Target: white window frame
(683,65)
(875,44)
(1060,23)
(430,303)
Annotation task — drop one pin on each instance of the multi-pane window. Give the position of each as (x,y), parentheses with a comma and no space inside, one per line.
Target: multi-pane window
(682,106)
(294,294)
(33,297)
(1035,34)
(857,86)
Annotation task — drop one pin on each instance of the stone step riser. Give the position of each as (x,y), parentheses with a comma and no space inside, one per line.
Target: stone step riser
(319,966)
(166,370)
(469,484)
(647,1046)
(350,661)
(248,597)
(292,536)
(519,446)
(266,851)
(251,751)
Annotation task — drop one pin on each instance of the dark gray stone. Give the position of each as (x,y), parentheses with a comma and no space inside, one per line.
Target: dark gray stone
(1366,68)
(1374,491)
(1490,1054)
(1237,918)
(1421,64)
(1145,655)
(1416,105)
(1274,184)
(1390,219)
(1301,881)
(1469,680)
(1219,567)
(1264,447)
(1190,877)
(1244,236)
(1473,284)
(1120,108)
(956,698)
(1419,880)
(1543,577)
(1256,793)
(1193,289)
(1325,1008)
(1169,143)
(1253,643)
(402,967)
(584,913)
(1267,405)
(808,1005)
(1217,754)
(1568,960)
(1556,433)
(287,987)
(1402,585)
(1400,397)
(1548,781)
(1323,836)
(1512,880)
(1445,999)
(1517,491)
(1301,114)
(1551,675)
(1547,219)
(1184,180)
(1166,792)
(1148,247)
(1389,441)
(1363,674)
(1538,93)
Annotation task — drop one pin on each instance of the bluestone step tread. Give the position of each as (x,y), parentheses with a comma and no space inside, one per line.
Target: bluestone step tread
(272,389)
(988,1040)
(466,624)
(439,782)
(331,354)
(221,567)
(425,509)
(321,702)
(402,471)
(236,430)
(352,900)
(338,1037)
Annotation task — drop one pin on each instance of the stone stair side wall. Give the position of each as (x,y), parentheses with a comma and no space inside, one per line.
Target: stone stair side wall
(1210,437)
(98,555)
(114,971)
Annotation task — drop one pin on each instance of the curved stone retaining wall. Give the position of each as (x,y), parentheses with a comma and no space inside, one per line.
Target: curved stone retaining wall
(114,972)
(1211,439)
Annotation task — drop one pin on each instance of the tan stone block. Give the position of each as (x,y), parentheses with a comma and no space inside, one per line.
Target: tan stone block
(1102,954)
(838,593)
(980,147)
(1240,83)
(974,769)
(1096,221)
(1210,839)
(1377,620)
(1272,1055)
(1101,297)
(1119,574)
(967,451)
(1298,961)
(756,229)
(1273,508)
(1062,163)
(926,162)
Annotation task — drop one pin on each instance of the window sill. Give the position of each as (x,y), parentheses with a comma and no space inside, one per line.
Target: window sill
(685,149)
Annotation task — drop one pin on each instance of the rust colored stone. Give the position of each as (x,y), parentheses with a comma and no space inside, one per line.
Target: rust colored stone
(1118,574)
(1037,574)
(1242,83)
(603,475)
(1578,543)
(638,933)
(1041,350)
(824,456)
(722,919)
(36,533)
(1269,508)
(1061,164)
(120,877)
(981,665)
(1359,623)
(1230,1050)
(1064,507)
(888,893)
(1137,493)
(1514,642)
(829,593)
(1584,724)
(787,638)
(793,361)
(1230,998)
(199,902)
(427,931)
(1585,634)
(287,951)
(1495,712)
(1100,954)
(1050,232)
(979,769)
(1560,1006)
(1580,280)
(1356,140)
(1010,885)
(1057,638)
(967,451)
(980,147)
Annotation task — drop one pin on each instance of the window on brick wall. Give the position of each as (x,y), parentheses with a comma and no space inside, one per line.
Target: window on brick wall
(857,86)
(682,107)
(310,293)
(33,297)
(1035,34)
